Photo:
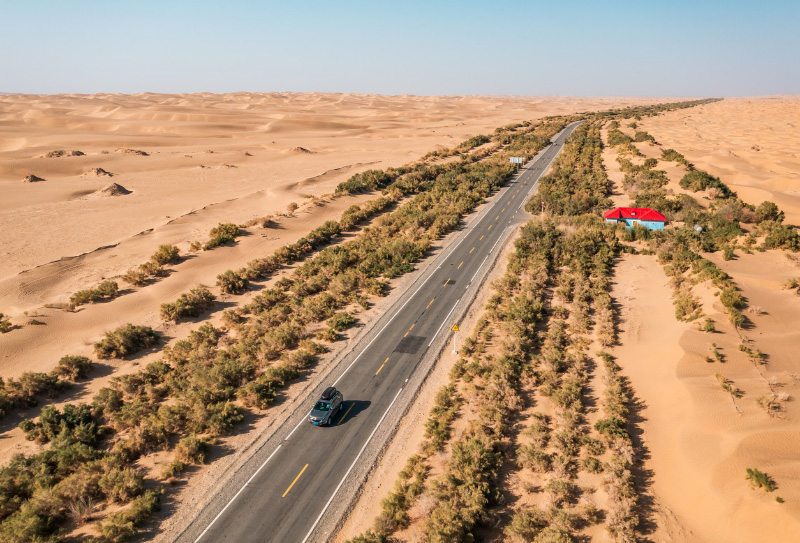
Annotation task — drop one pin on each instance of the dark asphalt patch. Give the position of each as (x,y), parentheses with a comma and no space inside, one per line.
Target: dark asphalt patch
(410,344)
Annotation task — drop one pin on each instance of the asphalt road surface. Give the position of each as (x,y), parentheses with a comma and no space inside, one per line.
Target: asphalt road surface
(295,482)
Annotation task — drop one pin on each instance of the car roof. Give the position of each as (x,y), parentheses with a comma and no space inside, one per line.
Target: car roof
(329,393)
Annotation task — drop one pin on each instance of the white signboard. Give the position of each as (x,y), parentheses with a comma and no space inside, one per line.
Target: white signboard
(517,160)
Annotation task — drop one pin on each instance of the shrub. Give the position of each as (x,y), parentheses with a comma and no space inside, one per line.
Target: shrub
(780,236)
(672,154)
(121,485)
(125,341)
(173,469)
(5,324)
(292,207)
(232,282)
(122,525)
(136,277)
(769,211)
(166,254)
(221,234)
(73,367)
(612,428)
(192,450)
(151,269)
(708,326)
(104,291)
(341,321)
(190,304)
(759,479)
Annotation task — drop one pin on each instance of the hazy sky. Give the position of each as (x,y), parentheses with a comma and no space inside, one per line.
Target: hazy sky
(642,48)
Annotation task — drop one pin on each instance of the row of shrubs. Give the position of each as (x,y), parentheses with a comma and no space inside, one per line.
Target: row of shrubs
(579,183)
(25,391)
(153,268)
(201,387)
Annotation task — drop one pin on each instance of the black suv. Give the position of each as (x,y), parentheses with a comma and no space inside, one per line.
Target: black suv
(326,408)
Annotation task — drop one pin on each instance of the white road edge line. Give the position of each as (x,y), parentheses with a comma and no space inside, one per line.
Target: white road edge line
(479,269)
(444,321)
(237,494)
(313,527)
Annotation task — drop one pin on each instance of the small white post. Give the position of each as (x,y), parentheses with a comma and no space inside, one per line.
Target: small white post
(455,335)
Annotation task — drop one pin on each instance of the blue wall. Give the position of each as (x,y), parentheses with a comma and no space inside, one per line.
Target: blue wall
(650,225)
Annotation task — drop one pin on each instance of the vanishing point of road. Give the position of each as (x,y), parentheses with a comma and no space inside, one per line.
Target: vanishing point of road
(296,479)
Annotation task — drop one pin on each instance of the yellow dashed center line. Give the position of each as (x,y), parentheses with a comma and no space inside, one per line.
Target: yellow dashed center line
(448,279)
(470,251)
(459,266)
(497,217)
(503,210)
(481,239)
(295,480)
(490,227)
(409,330)
(430,303)
(345,414)
(382,365)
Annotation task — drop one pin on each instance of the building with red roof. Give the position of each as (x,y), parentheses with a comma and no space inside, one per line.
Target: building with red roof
(649,218)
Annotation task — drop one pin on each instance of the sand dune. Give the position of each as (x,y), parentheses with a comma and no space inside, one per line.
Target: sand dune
(699,446)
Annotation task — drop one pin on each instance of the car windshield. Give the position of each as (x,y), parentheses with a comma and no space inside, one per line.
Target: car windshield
(322,406)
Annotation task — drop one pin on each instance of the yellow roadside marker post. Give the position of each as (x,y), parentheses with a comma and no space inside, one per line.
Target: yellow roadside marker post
(455,335)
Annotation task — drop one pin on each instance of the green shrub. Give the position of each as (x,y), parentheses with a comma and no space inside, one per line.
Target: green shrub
(190,304)
(73,367)
(5,324)
(173,469)
(780,236)
(136,277)
(221,234)
(341,321)
(759,479)
(121,485)
(232,282)
(166,254)
(769,211)
(616,137)
(125,341)
(192,450)
(106,290)
(118,527)
(612,428)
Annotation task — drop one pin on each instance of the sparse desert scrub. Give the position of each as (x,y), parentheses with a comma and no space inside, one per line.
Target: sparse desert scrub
(190,304)
(233,282)
(166,254)
(221,234)
(5,324)
(106,290)
(125,341)
(759,479)
(73,367)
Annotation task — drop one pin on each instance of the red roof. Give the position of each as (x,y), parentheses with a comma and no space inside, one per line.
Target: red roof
(640,213)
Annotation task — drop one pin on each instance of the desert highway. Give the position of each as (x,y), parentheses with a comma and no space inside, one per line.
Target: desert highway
(289,486)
